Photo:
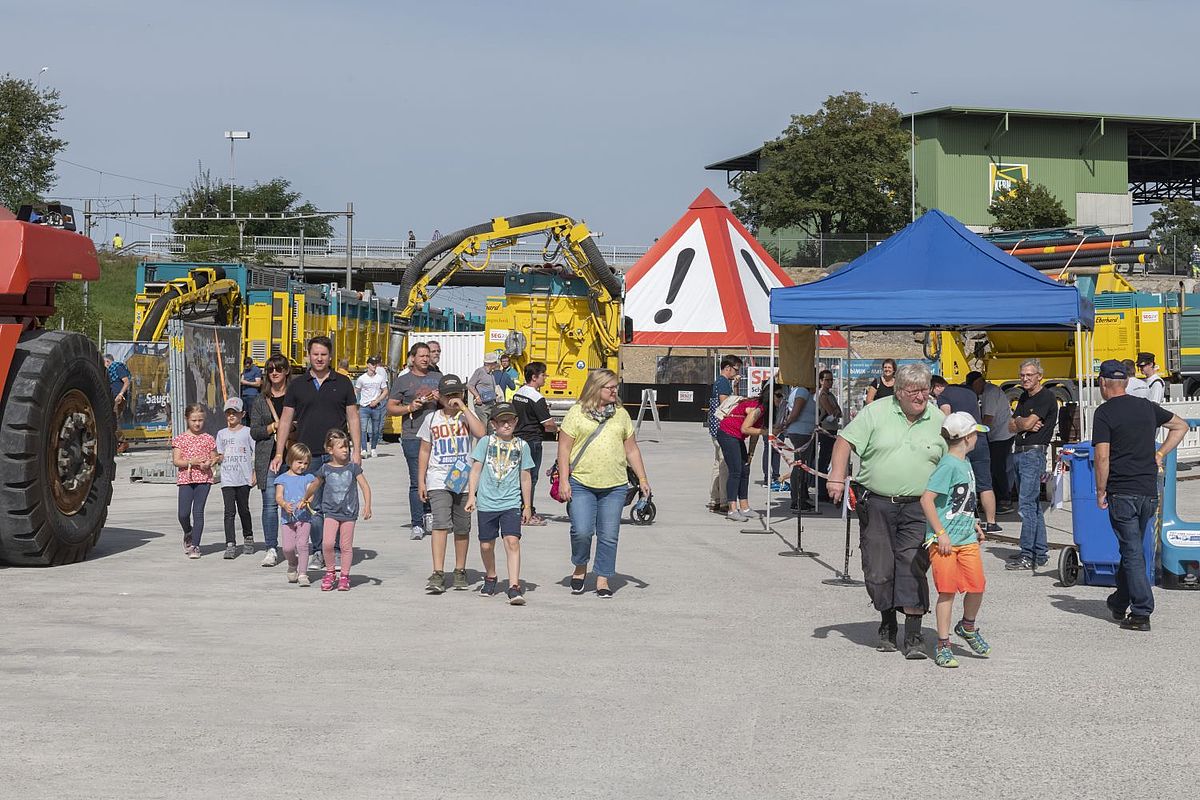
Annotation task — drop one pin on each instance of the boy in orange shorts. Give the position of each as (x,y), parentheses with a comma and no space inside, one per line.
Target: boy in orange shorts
(953,535)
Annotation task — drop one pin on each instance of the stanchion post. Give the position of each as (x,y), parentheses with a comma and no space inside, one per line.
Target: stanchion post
(843,578)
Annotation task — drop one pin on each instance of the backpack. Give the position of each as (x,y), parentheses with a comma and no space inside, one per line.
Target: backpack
(726,406)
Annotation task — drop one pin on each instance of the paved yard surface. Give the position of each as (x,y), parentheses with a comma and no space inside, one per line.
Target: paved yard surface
(720,669)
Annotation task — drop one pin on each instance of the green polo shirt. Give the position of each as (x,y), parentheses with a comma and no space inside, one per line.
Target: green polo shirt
(897,456)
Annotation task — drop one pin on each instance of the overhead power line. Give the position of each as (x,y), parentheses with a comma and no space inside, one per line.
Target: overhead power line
(119,175)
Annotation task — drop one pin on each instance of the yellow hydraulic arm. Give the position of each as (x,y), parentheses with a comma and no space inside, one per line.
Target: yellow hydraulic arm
(204,294)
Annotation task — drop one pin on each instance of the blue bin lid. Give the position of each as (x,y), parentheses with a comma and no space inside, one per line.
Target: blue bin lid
(1077,450)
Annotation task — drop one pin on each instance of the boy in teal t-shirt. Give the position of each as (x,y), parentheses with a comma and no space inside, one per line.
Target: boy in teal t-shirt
(953,535)
(501,488)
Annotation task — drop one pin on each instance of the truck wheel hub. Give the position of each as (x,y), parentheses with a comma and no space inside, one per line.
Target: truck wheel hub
(73,443)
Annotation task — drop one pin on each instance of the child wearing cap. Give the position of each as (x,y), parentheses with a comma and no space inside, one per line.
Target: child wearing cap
(443,470)
(953,535)
(235,454)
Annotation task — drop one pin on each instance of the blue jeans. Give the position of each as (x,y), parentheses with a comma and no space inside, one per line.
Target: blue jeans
(1129,515)
(1031,464)
(595,512)
(770,457)
(270,514)
(733,450)
(535,452)
(315,533)
(370,426)
(417,509)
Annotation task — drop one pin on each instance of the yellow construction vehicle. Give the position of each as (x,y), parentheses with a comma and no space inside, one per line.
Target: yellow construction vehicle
(565,312)
(200,293)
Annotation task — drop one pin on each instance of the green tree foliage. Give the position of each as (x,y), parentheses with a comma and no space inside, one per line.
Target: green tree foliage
(843,169)
(1175,227)
(209,196)
(28,146)
(1028,206)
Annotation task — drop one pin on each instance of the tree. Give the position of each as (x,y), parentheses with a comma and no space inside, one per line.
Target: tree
(843,169)
(28,146)
(1175,227)
(206,196)
(1026,207)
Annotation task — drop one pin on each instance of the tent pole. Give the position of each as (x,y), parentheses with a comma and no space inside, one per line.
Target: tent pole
(798,550)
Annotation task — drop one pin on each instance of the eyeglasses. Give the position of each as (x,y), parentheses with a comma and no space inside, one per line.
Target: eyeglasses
(915,392)
(1030,375)
(276,369)
(612,388)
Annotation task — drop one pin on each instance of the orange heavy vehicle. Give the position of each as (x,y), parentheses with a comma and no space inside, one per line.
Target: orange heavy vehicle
(57,430)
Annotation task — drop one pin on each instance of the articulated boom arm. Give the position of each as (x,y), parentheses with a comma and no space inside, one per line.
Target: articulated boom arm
(205,293)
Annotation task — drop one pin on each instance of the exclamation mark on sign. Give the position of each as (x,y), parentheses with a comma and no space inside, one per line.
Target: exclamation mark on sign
(683,262)
(750,262)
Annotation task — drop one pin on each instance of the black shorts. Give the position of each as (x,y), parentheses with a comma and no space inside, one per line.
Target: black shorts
(981,465)
(493,524)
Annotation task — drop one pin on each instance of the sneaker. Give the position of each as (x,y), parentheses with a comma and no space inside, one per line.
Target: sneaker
(271,558)
(194,552)
(776,486)
(248,547)
(974,640)
(944,657)
(914,647)
(231,550)
(516,596)
(436,583)
(577,585)
(887,638)
(303,579)
(344,583)
(418,533)
(363,453)
(374,452)
(992,527)
(1118,616)
(1019,562)
(427,521)
(293,577)
(1136,622)
(328,581)
(460,580)
(1043,561)
(489,587)
(736,516)
(316,561)
(604,593)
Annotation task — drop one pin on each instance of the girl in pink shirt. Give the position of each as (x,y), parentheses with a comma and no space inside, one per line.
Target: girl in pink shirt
(732,432)
(193,453)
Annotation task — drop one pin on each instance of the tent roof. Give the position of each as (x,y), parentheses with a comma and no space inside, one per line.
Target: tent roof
(934,274)
(705,283)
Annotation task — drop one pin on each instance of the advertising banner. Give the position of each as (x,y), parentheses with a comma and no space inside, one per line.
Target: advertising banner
(206,363)
(148,414)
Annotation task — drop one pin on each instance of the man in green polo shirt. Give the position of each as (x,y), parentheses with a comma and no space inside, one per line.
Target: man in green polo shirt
(899,442)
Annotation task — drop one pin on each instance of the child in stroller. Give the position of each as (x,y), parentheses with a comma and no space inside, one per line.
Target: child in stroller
(643,510)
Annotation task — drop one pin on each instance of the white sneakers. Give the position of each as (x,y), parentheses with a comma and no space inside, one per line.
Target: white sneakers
(418,533)
(271,558)
(374,452)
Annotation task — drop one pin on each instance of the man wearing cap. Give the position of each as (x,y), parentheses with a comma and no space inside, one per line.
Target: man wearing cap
(963,398)
(1127,465)
(1156,387)
(1033,423)
(899,442)
(371,387)
(482,385)
(996,412)
(414,397)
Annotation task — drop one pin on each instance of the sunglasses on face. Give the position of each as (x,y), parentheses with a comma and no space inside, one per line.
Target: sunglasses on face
(276,369)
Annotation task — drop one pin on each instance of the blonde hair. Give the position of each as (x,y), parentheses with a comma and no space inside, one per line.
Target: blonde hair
(298,451)
(589,398)
(335,435)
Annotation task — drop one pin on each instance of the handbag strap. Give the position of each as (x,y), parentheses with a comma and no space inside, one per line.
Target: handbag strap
(271,407)
(583,448)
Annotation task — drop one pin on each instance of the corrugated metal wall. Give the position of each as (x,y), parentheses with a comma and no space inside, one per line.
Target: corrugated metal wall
(462,353)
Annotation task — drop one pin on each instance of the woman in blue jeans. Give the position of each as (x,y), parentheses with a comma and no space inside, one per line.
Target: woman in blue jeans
(264,423)
(740,423)
(595,446)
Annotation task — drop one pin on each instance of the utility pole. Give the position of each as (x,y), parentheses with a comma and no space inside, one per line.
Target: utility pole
(349,241)
(87,231)
(912,168)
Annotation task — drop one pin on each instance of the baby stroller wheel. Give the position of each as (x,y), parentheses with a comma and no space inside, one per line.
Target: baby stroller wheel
(643,513)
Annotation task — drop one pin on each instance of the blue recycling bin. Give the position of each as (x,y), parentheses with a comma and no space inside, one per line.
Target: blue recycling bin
(1096,552)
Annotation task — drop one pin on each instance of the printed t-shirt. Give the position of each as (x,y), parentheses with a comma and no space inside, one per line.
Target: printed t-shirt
(897,457)
(721,386)
(803,424)
(1128,425)
(484,382)
(408,386)
(603,465)
(339,495)
(237,451)
(449,450)
(318,410)
(1045,405)
(732,424)
(954,481)
(532,414)
(499,486)
(294,487)
(194,447)
(370,387)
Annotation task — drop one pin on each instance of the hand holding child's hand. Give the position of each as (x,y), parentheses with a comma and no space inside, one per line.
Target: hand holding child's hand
(469,506)
(944,547)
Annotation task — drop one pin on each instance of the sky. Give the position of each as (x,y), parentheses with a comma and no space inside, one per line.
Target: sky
(444,115)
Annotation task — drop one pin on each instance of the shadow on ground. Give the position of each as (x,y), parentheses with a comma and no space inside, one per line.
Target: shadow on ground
(1087,607)
(117,540)
(617,582)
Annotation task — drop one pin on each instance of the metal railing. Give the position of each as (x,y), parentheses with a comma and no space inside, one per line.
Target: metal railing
(395,249)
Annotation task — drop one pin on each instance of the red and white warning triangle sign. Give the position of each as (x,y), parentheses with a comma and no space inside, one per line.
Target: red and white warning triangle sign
(705,283)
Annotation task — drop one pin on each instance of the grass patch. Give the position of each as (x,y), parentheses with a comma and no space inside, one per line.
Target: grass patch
(110,300)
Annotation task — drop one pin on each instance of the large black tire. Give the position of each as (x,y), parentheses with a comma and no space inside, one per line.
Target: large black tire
(57,451)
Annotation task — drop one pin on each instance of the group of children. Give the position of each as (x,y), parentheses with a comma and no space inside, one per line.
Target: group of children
(462,470)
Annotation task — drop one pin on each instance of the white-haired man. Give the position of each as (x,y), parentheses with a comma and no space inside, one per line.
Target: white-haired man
(899,442)
(1033,422)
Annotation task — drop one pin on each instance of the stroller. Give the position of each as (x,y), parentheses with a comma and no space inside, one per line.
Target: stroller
(643,510)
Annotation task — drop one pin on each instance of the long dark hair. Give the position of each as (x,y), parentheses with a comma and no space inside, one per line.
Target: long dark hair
(280,362)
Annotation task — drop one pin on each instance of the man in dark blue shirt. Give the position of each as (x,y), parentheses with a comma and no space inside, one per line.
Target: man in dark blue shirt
(119,382)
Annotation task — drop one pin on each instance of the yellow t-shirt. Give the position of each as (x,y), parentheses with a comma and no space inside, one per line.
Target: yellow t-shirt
(603,463)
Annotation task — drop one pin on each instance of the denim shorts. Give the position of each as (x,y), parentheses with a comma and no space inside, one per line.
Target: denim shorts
(493,524)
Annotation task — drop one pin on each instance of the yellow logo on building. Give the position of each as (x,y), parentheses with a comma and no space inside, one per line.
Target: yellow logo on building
(1003,178)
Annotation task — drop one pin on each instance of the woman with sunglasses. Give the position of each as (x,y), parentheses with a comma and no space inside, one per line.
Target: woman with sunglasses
(595,447)
(264,426)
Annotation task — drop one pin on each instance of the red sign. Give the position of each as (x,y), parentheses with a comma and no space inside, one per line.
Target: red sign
(558,386)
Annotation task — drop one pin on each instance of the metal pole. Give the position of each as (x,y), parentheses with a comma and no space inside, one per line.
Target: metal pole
(302,251)
(912,169)
(349,241)
(231,176)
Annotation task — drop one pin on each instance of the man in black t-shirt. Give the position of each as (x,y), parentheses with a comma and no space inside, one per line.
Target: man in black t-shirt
(1127,484)
(533,422)
(1033,422)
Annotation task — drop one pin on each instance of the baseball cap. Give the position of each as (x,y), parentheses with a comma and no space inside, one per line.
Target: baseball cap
(960,424)
(373,360)
(450,384)
(233,404)
(503,410)
(1145,358)
(1113,369)
(490,358)
(972,377)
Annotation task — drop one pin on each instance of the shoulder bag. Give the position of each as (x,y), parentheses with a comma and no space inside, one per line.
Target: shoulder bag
(553,472)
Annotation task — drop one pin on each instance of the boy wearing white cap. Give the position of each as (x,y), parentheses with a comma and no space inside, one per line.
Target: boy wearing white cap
(953,535)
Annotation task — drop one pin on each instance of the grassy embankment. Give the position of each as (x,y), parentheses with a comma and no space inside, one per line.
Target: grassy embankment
(110,300)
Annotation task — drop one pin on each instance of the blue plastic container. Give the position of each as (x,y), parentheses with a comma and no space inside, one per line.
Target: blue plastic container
(1093,533)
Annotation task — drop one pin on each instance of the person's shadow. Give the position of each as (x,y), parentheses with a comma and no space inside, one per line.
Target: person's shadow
(864,634)
(616,582)
(1087,607)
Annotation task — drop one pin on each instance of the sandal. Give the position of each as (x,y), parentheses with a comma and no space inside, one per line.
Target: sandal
(344,583)
(328,581)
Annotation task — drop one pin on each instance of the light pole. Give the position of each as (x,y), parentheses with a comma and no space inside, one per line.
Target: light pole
(37,84)
(233,136)
(912,166)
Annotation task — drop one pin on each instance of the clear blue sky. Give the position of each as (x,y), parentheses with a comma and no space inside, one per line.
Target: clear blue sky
(442,115)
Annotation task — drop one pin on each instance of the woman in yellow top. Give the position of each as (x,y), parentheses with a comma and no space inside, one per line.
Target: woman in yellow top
(591,465)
